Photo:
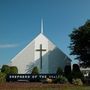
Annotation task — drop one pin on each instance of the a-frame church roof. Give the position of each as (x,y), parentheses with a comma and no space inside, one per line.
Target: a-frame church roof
(41,35)
(30,56)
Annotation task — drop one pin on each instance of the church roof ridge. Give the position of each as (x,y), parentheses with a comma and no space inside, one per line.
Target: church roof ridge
(33,41)
(28,44)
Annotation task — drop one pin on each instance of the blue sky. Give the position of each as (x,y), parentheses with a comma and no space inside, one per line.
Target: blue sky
(20,23)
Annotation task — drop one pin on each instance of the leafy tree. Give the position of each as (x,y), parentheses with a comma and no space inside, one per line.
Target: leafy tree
(35,70)
(80,44)
(13,70)
(5,69)
(59,71)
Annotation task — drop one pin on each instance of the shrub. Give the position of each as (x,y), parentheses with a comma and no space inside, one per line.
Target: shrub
(2,77)
(35,70)
(76,68)
(59,71)
(13,70)
(9,70)
(61,79)
(67,73)
(76,73)
(89,75)
(47,80)
(5,69)
(77,82)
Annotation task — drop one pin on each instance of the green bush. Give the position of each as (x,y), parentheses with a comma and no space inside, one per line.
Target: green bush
(89,74)
(77,82)
(9,69)
(61,79)
(76,68)
(5,69)
(76,73)
(2,77)
(13,70)
(59,71)
(67,73)
(35,70)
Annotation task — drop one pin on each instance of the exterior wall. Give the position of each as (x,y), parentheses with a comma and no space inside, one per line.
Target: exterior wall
(56,58)
(24,58)
(41,39)
(28,58)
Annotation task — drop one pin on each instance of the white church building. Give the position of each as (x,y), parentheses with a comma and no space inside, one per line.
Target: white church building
(40,52)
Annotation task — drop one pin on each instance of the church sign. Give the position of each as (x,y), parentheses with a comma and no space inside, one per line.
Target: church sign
(30,77)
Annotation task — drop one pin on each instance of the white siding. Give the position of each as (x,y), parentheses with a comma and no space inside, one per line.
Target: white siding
(24,58)
(52,58)
(56,58)
(41,39)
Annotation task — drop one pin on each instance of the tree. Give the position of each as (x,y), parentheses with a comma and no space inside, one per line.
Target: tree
(35,70)
(80,44)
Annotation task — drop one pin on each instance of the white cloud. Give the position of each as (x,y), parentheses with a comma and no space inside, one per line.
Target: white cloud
(8,45)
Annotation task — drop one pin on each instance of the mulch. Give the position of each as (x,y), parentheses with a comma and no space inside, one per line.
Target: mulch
(26,85)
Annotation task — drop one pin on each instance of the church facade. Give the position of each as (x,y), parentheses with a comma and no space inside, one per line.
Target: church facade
(40,52)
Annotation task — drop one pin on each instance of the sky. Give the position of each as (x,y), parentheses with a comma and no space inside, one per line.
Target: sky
(20,22)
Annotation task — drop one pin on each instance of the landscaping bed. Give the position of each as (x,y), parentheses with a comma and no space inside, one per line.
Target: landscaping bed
(40,86)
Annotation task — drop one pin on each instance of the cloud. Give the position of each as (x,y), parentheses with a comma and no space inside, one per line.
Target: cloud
(8,45)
